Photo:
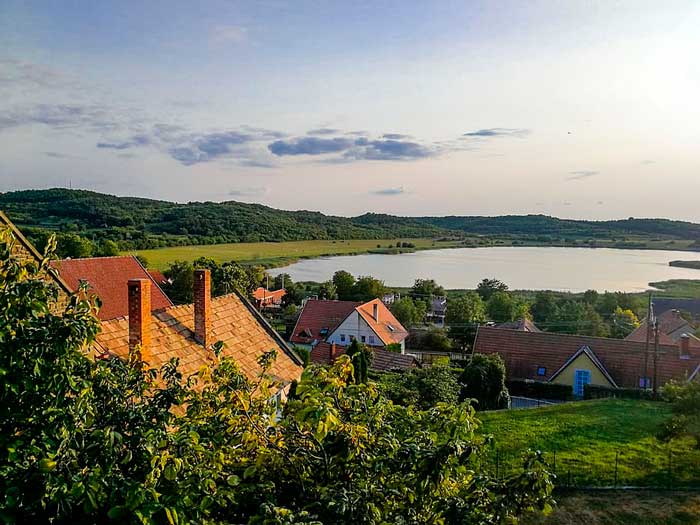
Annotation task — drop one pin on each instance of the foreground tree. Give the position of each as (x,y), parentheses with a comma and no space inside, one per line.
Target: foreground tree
(97,441)
(685,407)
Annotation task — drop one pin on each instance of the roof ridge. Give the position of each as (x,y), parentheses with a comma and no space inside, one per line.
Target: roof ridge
(570,336)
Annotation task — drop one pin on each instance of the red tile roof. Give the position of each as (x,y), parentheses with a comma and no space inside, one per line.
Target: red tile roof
(382,361)
(671,324)
(158,277)
(108,277)
(525,352)
(524,325)
(318,315)
(235,322)
(264,296)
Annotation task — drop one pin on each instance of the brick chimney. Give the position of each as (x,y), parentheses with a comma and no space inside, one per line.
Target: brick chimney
(375,311)
(335,352)
(202,307)
(140,316)
(685,346)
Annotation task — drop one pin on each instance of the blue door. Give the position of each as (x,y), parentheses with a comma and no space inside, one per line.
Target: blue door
(581,378)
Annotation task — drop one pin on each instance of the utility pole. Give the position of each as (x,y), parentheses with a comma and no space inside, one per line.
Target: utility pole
(656,351)
(646,348)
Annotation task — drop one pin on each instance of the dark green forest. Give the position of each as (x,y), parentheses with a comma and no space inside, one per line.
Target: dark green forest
(138,223)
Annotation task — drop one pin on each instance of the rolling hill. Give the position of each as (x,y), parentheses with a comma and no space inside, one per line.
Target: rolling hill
(138,223)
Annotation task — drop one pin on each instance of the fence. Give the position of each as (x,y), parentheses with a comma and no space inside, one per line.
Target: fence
(528,402)
(666,467)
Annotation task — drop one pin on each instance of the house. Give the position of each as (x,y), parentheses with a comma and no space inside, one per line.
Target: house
(341,322)
(107,278)
(437,311)
(523,325)
(672,326)
(692,306)
(265,298)
(578,360)
(185,332)
(188,332)
(382,360)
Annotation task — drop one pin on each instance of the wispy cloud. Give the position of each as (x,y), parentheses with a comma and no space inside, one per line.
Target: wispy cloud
(388,150)
(310,146)
(395,136)
(498,132)
(135,141)
(362,148)
(323,131)
(388,192)
(582,174)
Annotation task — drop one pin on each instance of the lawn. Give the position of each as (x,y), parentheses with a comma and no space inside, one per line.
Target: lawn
(581,440)
(280,253)
(678,287)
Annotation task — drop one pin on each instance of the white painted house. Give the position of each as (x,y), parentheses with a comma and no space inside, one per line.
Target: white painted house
(341,322)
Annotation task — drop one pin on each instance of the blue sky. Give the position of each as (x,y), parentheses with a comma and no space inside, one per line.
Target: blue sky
(576,109)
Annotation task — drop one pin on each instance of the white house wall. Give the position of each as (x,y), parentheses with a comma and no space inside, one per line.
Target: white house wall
(354,325)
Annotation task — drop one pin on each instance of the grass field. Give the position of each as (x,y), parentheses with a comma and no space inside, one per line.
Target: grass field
(279,253)
(678,288)
(622,508)
(586,437)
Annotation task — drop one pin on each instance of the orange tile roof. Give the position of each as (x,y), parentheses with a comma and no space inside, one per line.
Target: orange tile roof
(262,294)
(246,336)
(108,277)
(387,328)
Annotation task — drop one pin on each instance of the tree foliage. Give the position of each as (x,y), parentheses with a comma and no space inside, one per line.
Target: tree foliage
(685,407)
(464,314)
(484,379)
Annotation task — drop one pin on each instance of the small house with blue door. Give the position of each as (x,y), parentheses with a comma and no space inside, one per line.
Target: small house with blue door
(582,360)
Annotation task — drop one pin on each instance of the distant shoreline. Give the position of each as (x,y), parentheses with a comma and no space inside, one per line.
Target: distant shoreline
(695,265)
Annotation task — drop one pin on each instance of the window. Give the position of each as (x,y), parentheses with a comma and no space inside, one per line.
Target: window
(371,339)
(541,371)
(645,382)
(391,328)
(324,331)
(363,338)
(342,338)
(581,379)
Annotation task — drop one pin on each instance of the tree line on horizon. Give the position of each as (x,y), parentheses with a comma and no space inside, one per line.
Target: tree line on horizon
(138,223)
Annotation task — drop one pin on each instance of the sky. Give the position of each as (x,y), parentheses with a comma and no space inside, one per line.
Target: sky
(577,109)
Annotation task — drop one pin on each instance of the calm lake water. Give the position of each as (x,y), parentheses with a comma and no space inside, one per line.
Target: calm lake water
(534,268)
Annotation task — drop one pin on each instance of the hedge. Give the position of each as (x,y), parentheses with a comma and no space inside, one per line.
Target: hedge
(540,390)
(602,392)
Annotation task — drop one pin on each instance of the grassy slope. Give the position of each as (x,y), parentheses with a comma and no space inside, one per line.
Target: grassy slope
(277,253)
(586,437)
(678,288)
(623,508)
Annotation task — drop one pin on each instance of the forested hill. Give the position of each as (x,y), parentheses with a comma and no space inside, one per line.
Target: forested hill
(146,223)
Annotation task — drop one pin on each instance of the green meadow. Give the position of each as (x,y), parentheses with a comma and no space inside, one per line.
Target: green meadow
(281,253)
(582,440)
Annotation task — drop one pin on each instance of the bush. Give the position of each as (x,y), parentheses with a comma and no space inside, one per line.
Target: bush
(602,392)
(540,390)
(483,379)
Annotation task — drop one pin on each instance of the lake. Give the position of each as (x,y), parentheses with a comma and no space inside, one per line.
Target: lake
(533,268)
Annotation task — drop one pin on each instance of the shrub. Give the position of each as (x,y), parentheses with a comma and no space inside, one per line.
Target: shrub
(540,390)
